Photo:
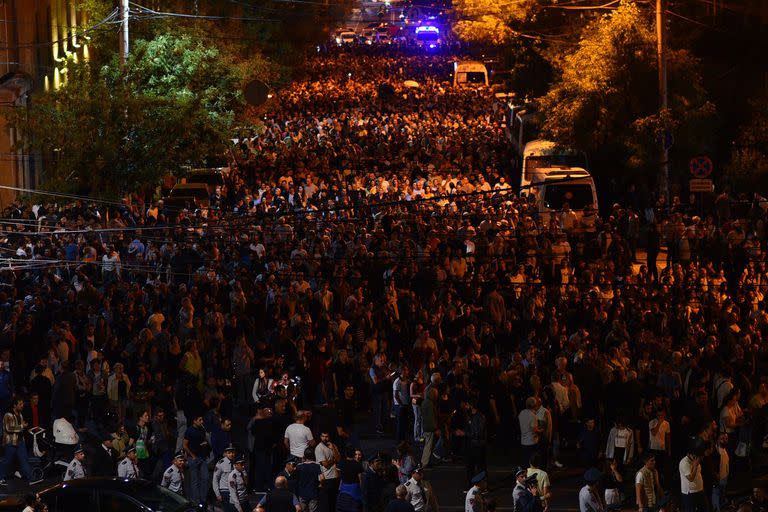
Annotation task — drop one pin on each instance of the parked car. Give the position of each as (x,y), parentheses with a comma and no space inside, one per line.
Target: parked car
(105,494)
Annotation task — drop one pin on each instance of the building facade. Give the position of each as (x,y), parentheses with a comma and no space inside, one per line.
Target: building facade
(37,37)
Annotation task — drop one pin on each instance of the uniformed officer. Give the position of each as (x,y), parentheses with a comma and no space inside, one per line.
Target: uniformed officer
(419,492)
(223,468)
(76,469)
(475,501)
(173,478)
(127,467)
(236,482)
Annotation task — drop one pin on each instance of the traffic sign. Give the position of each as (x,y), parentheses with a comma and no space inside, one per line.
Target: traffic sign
(701,185)
(701,167)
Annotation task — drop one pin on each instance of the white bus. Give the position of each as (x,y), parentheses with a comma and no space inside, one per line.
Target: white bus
(469,72)
(540,155)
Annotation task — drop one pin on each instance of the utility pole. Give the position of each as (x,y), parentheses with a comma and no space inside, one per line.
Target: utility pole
(661,50)
(124,41)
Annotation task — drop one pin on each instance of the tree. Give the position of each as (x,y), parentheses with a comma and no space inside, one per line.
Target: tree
(111,130)
(605,100)
(748,168)
(491,21)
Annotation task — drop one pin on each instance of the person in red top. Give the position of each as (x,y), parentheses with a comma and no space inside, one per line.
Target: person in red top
(32,410)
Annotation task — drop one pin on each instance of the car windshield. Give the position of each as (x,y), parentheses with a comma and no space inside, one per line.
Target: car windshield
(160,499)
(200,193)
(578,196)
(472,77)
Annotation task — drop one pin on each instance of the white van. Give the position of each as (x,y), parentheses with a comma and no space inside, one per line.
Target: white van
(560,186)
(540,155)
(470,72)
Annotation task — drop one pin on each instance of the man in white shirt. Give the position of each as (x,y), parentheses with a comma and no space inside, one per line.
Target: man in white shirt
(327,455)
(529,429)
(658,439)
(298,437)
(691,483)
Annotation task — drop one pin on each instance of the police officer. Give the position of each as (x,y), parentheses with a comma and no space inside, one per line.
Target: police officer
(419,492)
(223,468)
(76,469)
(520,475)
(173,478)
(475,501)
(526,495)
(236,483)
(127,467)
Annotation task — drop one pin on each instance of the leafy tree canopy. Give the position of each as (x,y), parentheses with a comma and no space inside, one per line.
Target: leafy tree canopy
(606,97)
(109,130)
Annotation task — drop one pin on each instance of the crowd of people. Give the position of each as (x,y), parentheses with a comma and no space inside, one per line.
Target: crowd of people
(368,253)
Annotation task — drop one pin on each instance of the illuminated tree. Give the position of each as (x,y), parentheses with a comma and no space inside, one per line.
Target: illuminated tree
(606,101)
(491,21)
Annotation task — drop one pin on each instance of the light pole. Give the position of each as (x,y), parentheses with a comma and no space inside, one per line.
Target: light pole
(124,41)
(661,50)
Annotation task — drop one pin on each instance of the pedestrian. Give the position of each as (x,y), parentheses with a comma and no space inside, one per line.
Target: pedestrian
(659,439)
(298,437)
(648,491)
(237,486)
(128,468)
(420,493)
(289,472)
(309,477)
(590,499)
(477,441)
(173,477)
(621,443)
(721,463)
(197,450)
(401,402)
(350,498)
(373,482)
(430,418)
(14,446)
(475,499)
(327,455)
(223,468)
(76,469)
(279,499)
(401,502)
(692,497)
(542,478)
(102,460)
(530,430)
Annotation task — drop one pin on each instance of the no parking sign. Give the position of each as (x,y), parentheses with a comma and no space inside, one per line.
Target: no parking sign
(701,166)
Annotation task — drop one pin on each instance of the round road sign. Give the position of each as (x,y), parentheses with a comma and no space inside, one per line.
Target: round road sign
(701,166)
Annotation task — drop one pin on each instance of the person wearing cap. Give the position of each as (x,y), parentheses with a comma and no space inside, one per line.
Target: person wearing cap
(236,485)
(76,469)
(224,467)
(420,493)
(289,472)
(128,468)
(542,477)
(520,491)
(475,501)
(173,477)
(589,495)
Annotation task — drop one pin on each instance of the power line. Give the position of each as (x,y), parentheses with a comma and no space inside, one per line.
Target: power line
(109,19)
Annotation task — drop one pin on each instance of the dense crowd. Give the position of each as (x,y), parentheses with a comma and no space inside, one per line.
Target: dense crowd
(368,253)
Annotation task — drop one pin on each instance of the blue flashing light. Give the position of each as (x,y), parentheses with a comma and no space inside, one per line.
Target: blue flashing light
(427,28)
